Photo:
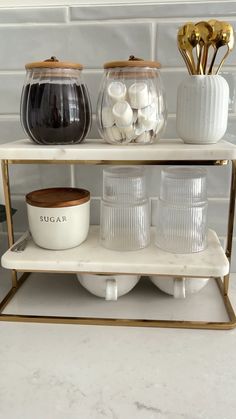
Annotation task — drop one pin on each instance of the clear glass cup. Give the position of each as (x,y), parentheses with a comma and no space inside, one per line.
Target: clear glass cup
(183,185)
(131,105)
(181,228)
(125,226)
(124,184)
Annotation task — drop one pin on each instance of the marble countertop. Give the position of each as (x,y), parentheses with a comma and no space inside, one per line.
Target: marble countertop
(88,372)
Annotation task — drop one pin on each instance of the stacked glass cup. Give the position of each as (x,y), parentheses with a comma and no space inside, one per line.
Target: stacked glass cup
(125,212)
(182,210)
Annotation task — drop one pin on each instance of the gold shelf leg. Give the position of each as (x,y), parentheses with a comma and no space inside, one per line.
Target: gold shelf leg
(7,195)
(230,223)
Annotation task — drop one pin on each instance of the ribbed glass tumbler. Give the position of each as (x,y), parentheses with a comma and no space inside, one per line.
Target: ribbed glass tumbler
(125,227)
(182,210)
(125,212)
(183,185)
(124,184)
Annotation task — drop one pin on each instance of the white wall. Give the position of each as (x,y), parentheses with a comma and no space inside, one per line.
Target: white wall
(92,35)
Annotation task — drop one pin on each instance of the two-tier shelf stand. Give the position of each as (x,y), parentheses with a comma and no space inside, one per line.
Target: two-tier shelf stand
(90,257)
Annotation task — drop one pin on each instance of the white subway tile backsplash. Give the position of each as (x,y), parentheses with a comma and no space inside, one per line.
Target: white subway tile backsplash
(230,76)
(218,181)
(94,129)
(167,51)
(90,45)
(93,81)
(95,211)
(171,81)
(11,87)
(20,220)
(231,130)
(152,11)
(89,177)
(25,178)
(170,131)
(218,215)
(10,129)
(33,15)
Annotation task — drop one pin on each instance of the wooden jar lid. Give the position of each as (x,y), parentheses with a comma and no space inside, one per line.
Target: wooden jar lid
(133,62)
(53,62)
(57,197)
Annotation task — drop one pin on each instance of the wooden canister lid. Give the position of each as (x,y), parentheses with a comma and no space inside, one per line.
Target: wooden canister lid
(57,197)
(133,62)
(53,62)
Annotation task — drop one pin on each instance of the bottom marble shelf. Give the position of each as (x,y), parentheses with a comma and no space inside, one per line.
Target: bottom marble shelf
(62,295)
(91,257)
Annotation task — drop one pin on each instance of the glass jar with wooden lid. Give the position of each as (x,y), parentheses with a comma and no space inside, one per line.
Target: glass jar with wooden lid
(131,106)
(55,104)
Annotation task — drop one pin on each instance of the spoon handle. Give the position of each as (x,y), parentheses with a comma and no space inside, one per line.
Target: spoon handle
(204,58)
(188,65)
(222,61)
(191,60)
(199,62)
(212,61)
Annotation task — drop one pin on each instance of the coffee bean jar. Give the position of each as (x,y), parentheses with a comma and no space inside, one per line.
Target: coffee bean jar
(131,106)
(55,104)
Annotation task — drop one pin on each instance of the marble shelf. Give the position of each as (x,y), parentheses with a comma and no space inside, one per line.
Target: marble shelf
(96,150)
(91,257)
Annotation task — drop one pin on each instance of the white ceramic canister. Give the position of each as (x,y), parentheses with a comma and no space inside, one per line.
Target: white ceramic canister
(109,287)
(202,109)
(179,287)
(58,217)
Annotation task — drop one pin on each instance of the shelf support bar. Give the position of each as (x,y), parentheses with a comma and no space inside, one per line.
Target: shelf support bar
(7,195)
(230,223)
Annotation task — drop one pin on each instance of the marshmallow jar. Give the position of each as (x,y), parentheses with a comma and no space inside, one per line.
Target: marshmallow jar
(131,105)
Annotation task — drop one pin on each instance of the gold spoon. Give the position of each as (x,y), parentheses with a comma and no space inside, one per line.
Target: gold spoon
(217,27)
(223,35)
(192,37)
(206,32)
(230,44)
(183,48)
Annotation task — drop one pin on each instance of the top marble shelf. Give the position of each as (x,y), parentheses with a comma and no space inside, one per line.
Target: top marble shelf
(92,151)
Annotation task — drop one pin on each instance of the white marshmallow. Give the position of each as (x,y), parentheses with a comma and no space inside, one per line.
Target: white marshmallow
(128,133)
(117,91)
(139,129)
(144,138)
(123,114)
(139,96)
(135,115)
(113,135)
(108,119)
(147,116)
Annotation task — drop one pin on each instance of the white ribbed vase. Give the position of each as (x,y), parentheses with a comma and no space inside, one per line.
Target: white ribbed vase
(202,109)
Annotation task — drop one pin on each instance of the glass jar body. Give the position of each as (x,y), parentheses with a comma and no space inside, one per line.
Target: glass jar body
(131,106)
(55,106)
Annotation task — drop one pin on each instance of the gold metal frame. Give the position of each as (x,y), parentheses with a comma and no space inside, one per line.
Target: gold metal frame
(223,284)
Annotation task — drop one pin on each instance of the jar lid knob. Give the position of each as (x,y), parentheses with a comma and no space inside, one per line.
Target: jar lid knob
(133,58)
(52,59)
